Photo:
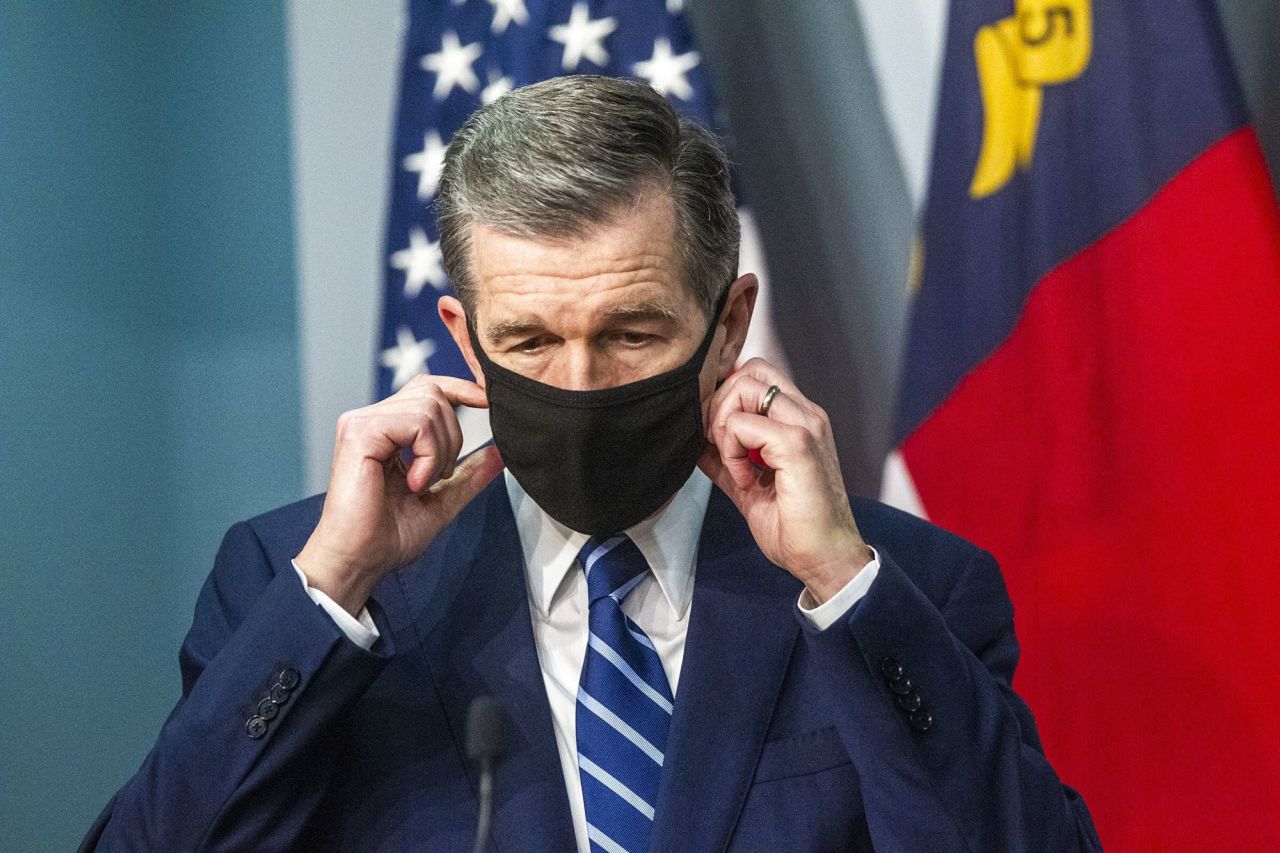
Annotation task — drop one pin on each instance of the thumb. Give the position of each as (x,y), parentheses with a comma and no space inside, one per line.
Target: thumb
(469,478)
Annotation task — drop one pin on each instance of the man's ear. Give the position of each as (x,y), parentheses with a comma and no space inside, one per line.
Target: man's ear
(736,319)
(454,318)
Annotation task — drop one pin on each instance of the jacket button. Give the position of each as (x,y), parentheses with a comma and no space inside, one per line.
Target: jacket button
(268,709)
(891,669)
(278,694)
(288,678)
(921,720)
(901,686)
(909,702)
(256,727)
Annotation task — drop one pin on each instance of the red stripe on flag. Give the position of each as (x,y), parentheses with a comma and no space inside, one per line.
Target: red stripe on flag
(1120,454)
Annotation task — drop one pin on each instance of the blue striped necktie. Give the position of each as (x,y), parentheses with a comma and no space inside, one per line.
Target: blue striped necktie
(624,704)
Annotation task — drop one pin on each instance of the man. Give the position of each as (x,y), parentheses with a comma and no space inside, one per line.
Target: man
(695,652)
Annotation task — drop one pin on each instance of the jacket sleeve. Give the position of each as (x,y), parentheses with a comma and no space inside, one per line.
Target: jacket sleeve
(244,758)
(948,755)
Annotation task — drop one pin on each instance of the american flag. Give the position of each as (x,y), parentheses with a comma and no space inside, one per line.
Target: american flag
(460,54)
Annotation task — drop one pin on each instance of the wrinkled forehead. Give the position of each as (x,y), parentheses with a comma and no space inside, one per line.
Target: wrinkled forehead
(629,266)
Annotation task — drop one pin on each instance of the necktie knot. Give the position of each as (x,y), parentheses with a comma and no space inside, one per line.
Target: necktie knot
(613,565)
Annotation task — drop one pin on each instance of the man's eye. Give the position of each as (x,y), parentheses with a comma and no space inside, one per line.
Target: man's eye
(530,345)
(633,339)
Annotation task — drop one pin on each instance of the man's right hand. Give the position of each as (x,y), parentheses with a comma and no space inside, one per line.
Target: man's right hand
(380,514)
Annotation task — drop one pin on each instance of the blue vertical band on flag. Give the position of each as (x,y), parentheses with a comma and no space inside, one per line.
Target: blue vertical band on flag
(460,55)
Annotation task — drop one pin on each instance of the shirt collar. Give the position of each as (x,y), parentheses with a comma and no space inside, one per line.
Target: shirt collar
(668,539)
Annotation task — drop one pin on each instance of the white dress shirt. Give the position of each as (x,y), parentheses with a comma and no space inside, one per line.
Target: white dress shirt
(659,604)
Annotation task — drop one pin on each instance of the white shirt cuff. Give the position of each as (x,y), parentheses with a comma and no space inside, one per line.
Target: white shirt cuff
(823,616)
(359,629)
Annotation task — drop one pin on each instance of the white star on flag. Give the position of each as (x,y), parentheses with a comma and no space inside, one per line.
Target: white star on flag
(452,65)
(666,71)
(498,86)
(583,37)
(427,163)
(506,11)
(421,262)
(408,357)
(675,7)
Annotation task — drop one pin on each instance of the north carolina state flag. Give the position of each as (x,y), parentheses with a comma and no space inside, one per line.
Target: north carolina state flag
(1091,390)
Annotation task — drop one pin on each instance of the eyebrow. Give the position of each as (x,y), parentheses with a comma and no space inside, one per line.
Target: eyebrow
(649,310)
(511,329)
(638,312)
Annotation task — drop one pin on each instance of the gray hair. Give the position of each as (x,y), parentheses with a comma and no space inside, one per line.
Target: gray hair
(553,159)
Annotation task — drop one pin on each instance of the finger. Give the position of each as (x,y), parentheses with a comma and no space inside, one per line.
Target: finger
(459,392)
(431,443)
(746,393)
(450,391)
(413,405)
(378,433)
(453,443)
(721,398)
(471,476)
(367,451)
(769,375)
(447,431)
(727,398)
(736,460)
(718,471)
(782,446)
(426,424)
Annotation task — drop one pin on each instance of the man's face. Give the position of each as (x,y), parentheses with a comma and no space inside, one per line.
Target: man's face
(605,309)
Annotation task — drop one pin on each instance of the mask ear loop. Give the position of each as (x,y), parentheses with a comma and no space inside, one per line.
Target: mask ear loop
(717,318)
(476,348)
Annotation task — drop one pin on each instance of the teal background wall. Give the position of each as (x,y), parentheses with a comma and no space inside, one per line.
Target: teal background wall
(148,368)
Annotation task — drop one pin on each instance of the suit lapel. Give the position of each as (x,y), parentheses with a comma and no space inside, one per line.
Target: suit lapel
(464,611)
(467,601)
(740,637)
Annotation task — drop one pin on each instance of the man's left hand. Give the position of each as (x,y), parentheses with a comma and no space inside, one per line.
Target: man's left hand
(797,507)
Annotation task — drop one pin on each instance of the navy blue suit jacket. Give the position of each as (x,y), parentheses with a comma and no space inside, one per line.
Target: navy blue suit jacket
(783,737)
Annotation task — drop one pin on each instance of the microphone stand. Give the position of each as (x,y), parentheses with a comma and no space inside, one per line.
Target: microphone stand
(486,741)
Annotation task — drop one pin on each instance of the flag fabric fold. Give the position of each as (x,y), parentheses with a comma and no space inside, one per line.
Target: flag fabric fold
(1091,390)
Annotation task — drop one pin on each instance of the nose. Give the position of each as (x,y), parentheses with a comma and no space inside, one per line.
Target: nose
(579,368)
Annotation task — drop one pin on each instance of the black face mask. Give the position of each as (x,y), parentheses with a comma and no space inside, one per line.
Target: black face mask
(599,461)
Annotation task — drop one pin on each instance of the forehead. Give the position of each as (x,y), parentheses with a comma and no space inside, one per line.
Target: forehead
(632,258)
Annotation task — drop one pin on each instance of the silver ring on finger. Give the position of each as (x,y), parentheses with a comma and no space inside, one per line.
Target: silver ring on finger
(767,402)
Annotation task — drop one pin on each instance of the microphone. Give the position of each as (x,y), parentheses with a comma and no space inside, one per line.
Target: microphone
(486,741)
